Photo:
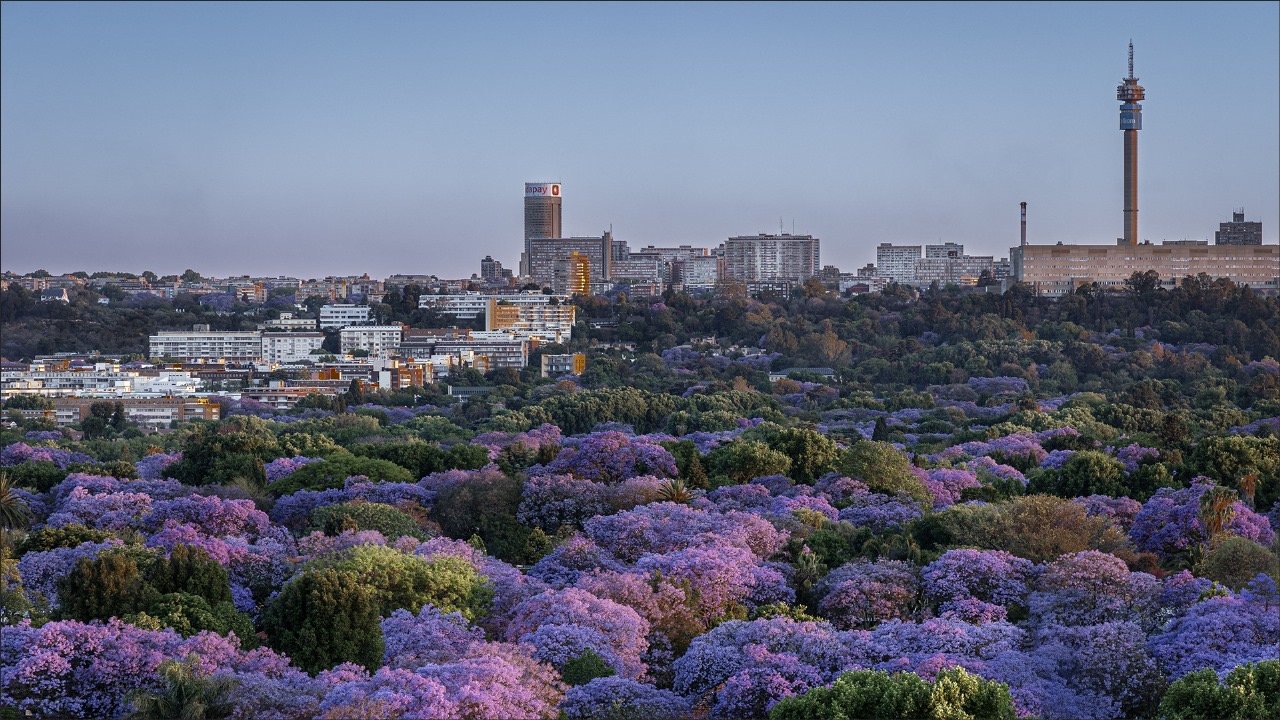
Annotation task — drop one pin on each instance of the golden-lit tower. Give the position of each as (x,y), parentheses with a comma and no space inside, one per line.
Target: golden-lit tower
(1129,92)
(579,274)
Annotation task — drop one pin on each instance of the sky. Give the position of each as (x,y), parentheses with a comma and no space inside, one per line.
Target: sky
(329,138)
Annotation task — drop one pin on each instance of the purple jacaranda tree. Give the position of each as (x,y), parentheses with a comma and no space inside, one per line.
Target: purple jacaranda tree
(622,628)
(992,576)
(620,697)
(665,527)
(611,457)
(861,594)
(1170,523)
(1091,587)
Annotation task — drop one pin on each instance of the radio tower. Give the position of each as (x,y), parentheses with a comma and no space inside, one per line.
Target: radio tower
(1129,92)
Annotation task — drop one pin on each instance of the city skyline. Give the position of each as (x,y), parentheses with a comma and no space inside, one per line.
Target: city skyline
(145,137)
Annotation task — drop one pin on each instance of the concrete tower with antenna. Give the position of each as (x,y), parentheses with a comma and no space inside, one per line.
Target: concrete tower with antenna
(1129,93)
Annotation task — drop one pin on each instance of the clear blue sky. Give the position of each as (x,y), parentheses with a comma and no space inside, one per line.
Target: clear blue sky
(322,138)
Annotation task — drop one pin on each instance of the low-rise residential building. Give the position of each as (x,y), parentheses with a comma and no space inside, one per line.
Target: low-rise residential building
(544,322)
(155,413)
(334,317)
(556,365)
(200,343)
(377,340)
(1056,270)
(469,306)
(287,321)
(290,347)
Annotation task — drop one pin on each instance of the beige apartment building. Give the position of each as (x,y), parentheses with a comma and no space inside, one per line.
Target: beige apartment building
(1054,270)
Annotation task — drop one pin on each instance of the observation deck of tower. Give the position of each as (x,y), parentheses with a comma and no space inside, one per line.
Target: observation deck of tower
(1129,92)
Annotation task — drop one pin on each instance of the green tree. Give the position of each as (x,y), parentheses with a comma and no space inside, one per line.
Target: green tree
(884,469)
(358,515)
(107,586)
(877,695)
(190,569)
(741,461)
(1249,692)
(333,472)
(399,580)
(1234,561)
(325,617)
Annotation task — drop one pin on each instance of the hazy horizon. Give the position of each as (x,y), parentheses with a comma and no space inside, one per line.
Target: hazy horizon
(323,139)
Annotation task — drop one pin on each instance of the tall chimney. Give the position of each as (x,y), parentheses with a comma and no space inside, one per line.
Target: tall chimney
(1024,223)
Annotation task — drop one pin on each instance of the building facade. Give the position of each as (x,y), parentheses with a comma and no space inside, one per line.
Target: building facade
(201,344)
(1238,232)
(544,254)
(897,262)
(377,340)
(290,347)
(1056,270)
(334,317)
(769,258)
(542,207)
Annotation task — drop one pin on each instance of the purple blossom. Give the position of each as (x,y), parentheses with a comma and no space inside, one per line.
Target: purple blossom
(41,570)
(1120,511)
(430,636)
(1169,523)
(568,561)
(665,527)
(861,594)
(1133,455)
(285,466)
(1219,633)
(552,501)
(611,457)
(1091,587)
(20,452)
(605,696)
(390,692)
(152,467)
(946,484)
(992,576)
(620,626)
(880,512)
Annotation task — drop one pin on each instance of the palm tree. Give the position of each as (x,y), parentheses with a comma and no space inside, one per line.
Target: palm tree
(675,490)
(187,695)
(14,513)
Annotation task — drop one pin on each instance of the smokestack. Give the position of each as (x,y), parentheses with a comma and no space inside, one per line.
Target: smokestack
(1024,224)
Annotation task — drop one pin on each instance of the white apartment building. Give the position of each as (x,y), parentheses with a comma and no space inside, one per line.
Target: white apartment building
(769,258)
(333,317)
(897,262)
(290,347)
(545,322)
(201,344)
(700,272)
(377,340)
(287,321)
(469,306)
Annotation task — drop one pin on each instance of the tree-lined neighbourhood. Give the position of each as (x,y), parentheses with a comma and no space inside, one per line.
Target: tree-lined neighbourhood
(951,504)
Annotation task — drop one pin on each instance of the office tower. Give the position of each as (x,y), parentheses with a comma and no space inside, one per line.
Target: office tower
(1129,92)
(1238,232)
(541,215)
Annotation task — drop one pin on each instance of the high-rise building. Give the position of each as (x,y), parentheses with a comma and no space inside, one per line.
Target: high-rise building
(1129,92)
(541,214)
(752,258)
(897,262)
(1238,232)
(577,274)
(544,253)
